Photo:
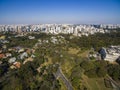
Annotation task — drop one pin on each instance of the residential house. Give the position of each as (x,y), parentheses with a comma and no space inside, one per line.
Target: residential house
(31,37)
(28,59)
(12,60)
(17,64)
(23,55)
(8,54)
(21,50)
(0,62)
(2,56)
(0,51)
(2,37)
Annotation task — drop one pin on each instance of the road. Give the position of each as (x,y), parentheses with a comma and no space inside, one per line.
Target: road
(60,74)
(115,85)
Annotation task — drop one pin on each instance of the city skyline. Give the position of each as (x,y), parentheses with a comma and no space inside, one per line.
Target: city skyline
(60,11)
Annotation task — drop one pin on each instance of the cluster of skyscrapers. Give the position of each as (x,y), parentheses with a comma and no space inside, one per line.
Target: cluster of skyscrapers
(77,30)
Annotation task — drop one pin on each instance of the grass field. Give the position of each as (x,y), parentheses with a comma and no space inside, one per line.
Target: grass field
(63,87)
(94,83)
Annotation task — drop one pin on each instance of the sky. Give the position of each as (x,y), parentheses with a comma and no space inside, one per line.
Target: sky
(60,11)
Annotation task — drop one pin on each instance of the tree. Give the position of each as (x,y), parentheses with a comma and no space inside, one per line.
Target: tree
(114,71)
(87,65)
(101,72)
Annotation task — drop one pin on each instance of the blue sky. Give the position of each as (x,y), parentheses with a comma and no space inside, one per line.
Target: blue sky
(60,11)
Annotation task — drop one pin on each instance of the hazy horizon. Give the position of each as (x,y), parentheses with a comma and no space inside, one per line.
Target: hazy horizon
(59,11)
